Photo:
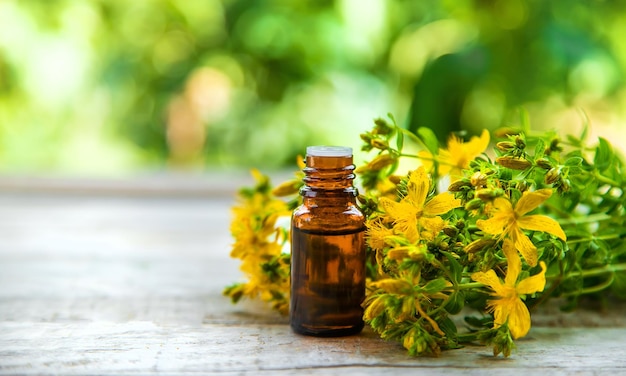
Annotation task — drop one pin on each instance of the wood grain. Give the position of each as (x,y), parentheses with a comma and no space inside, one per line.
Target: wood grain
(120,284)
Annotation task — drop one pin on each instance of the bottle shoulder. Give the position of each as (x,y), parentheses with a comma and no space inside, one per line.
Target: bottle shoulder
(314,208)
(321,217)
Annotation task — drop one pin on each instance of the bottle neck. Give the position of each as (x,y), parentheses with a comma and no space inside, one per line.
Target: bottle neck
(328,177)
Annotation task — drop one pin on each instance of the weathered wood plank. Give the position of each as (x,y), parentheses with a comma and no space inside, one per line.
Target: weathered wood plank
(147,347)
(132,285)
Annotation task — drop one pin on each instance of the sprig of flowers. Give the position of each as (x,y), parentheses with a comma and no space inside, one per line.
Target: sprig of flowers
(556,202)
(259,242)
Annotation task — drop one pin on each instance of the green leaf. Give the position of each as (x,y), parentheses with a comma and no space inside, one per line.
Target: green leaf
(574,161)
(619,284)
(540,149)
(476,322)
(435,286)
(455,267)
(400,141)
(428,137)
(604,155)
(455,303)
(575,170)
(573,140)
(448,327)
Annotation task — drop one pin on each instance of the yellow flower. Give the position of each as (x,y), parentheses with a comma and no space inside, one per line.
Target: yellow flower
(254,222)
(508,307)
(507,221)
(413,216)
(378,234)
(292,186)
(259,242)
(458,154)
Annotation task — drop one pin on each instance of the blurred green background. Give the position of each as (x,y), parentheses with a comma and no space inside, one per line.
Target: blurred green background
(107,87)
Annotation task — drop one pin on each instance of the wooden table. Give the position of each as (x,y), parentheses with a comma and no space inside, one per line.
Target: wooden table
(126,278)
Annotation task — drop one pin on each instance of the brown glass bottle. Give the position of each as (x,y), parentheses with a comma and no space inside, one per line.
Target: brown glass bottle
(327,248)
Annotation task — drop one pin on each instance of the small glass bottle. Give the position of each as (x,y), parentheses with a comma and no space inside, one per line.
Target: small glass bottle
(327,248)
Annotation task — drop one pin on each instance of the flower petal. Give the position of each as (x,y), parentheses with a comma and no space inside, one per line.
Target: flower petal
(390,207)
(500,311)
(502,205)
(519,318)
(477,145)
(514,264)
(494,225)
(377,234)
(431,226)
(489,278)
(418,187)
(542,223)
(531,200)
(404,216)
(441,204)
(524,246)
(533,284)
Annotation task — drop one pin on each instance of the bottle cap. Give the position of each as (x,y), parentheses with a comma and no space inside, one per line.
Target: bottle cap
(329,151)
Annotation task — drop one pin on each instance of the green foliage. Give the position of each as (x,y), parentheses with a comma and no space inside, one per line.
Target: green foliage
(537,217)
(590,208)
(105,85)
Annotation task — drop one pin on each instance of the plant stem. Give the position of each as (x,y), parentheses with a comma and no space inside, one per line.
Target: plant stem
(591,290)
(606,180)
(612,268)
(602,237)
(410,156)
(467,286)
(586,219)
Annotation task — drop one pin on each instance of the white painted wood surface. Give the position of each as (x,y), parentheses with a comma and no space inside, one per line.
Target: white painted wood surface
(127,284)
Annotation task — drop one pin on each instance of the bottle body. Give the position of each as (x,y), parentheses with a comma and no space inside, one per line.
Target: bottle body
(328,250)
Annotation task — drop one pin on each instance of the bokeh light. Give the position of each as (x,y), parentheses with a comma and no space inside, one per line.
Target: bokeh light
(110,87)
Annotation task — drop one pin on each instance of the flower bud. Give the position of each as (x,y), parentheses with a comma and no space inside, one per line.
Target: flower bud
(554,146)
(395,179)
(478,179)
(286,189)
(382,127)
(381,162)
(451,231)
(519,142)
(544,163)
(522,186)
(392,286)
(552,176)
(513,163)
(398,254)
(374,309)
(505,131)
(379,144)
(367,138)
(479,245)
(421,345)
(489,194)
(418,253)
(505,146)
(408,341)
(458,185)
(460,224)
(474,204)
